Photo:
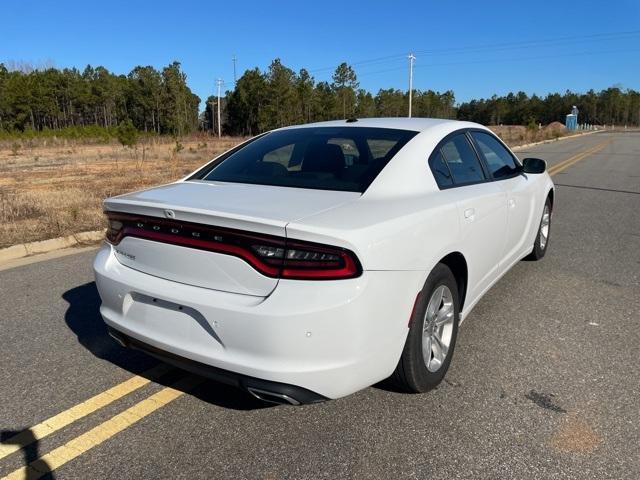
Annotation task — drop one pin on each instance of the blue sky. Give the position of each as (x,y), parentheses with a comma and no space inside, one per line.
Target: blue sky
(475,48)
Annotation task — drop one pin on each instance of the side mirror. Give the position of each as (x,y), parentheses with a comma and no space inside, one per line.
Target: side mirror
(533,165)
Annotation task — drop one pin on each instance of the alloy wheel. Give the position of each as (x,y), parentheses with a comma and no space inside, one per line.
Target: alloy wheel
(437,330)
(544,227)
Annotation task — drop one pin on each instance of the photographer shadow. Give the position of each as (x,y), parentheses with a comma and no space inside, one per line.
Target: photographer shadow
(83,318)
(27,442)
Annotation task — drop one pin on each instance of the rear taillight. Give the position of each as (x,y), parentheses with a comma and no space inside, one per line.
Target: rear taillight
(114,230)
(270,255)
(310,261)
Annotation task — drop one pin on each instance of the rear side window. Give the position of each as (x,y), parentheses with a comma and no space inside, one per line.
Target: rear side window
(324,158)
(462,161)
(500,162)
(440,170)
(379,147)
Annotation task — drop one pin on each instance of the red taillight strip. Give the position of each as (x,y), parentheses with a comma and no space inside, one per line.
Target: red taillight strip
(349,270)
(238,243)
(127,217)
(217,247)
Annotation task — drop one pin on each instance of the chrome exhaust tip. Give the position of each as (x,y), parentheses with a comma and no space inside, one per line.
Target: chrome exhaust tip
(272,397)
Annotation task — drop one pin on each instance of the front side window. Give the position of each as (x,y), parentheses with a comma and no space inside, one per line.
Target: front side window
(462,161)
(280,155)
(325,158)
(500,162)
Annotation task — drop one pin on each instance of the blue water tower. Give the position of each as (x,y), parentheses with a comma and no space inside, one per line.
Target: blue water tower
(571,122)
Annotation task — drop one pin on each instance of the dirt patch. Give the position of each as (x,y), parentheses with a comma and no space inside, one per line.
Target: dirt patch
(575,436)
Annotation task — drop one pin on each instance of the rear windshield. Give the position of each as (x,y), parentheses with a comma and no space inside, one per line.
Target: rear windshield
(324,158)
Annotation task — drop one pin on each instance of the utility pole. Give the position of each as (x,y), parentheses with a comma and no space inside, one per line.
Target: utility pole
(234,69)
(411,58)
(219,83)
(213,120)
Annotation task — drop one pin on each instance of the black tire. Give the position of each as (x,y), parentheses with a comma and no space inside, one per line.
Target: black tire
(411,374)
(540,247)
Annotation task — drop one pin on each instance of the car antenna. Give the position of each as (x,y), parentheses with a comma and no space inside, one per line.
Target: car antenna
(351,120)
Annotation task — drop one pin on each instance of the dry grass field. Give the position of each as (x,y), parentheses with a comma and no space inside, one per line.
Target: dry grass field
(514,135)
(55,188)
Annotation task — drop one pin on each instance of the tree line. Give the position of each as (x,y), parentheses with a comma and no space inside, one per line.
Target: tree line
(161,102)
(280,96)
(606,107)
(158,101)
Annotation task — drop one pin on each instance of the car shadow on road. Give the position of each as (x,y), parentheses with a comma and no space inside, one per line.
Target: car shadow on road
(83,318)
(29,445)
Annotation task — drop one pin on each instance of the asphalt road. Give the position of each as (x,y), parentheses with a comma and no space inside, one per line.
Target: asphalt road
(545,382)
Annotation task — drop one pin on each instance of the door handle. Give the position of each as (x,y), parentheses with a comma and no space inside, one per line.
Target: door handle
(512,202)
(470,213)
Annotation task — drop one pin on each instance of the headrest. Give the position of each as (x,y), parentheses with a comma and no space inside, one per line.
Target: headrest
(324,157)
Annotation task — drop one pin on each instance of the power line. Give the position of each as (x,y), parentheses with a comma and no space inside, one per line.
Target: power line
(363,62)
(495,47)
(492,47)
(531,43)
(502,60)
(537,57)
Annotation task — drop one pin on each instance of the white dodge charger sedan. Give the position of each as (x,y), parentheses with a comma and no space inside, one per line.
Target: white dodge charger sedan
(313,261)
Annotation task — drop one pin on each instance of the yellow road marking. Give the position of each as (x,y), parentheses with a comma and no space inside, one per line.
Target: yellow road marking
(78,411)
(97,435)
(576,158)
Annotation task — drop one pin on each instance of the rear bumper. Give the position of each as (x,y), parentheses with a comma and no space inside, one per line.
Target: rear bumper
(274,392)
(330,338)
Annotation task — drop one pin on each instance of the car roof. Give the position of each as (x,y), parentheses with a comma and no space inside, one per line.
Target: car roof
(400,123)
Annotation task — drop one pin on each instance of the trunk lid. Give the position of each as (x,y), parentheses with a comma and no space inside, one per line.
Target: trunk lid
(250,208)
